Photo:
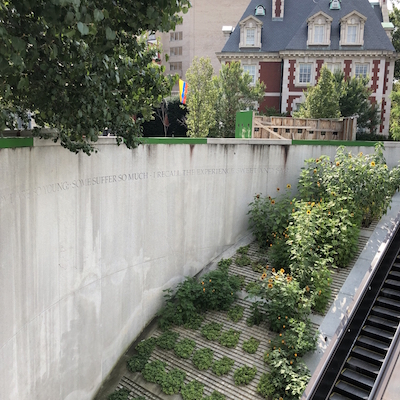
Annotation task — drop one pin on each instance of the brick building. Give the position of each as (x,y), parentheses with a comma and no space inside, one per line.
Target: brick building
(284,43)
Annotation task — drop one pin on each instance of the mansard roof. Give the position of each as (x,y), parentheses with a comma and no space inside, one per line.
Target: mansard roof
(290,34)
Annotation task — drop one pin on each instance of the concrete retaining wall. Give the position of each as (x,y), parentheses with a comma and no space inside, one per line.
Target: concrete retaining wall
(88,244)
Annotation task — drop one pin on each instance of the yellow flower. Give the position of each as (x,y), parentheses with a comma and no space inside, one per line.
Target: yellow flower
(279,317)
(283,327)
(277,189)
(318,184)
(270,285)
(319,293)
(272,201)
(288,185)
(283,342)
(372,163)
(295,354)
(270,280)
(315,171)
(308,212)
(213,290)
(202,283)
(282,271)
(210,280)
(273,269)
(270,245)
(291,361)
(385,166)
(349,155)
(307,289)
(263,276)
(204,289)
(337,163)
(312,204)
(292,209)
(280,334)
(317,160)
(360,153)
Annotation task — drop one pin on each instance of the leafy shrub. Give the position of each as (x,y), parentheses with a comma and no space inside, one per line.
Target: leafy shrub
(194,322)
(211,331)
(154,372)
(321,289)
(229,338)
(243,260)
(285,299)
(290,382)
(265,387)
(235,314)
(146,347)
(121,394)
(253,288)
(203,359)
(250,346)
(243,249)
(137,363)
(167,340)
(256,316)
(215,396)
(244,375)
(224,264)
(193,391)
(258,266)
(173,381)
(222,366)
(184,348)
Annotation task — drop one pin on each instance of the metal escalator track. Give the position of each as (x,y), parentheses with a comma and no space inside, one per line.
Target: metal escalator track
(357,362)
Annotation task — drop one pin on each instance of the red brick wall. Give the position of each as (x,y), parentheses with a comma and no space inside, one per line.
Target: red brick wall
(277,11)
(290,102)
(347,68)
(270,74)
(318,70)
(375,72)
(386,77)
(292,78)
(269,102)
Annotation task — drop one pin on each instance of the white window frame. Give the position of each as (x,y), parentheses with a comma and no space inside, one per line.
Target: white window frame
(250,36)
(352,34)
(361,69)
(251,69)
(319,29)
(333,67)
(302,74)
(349,23)
(250,33)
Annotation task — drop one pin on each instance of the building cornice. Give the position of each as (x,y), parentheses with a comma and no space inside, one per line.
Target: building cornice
(247,55)
(340,53)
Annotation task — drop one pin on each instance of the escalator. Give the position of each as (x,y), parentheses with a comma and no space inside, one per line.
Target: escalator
(357,363)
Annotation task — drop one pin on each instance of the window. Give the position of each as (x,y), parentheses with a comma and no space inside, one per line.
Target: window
(352,34)
(361,70)
(175,36)
(260,10)
(319,36)
(251,70)
(305,73)
(175,51)
(250,36)
(334,67)
(175,66)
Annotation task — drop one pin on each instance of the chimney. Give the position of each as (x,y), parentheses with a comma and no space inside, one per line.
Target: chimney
(277,9)
(385,13)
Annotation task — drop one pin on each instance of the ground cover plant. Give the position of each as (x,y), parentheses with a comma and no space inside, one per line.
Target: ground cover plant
(144,350)
(244,375)
(222,366)
(185,348)
(167,340)
(215,396)
(229,338)
(257,316)
(203,359)
(154,372)
(250,346)
(121,394)
(173,381)
(212,331)
(193,391)
(235,313)
(243,260)
(243,249)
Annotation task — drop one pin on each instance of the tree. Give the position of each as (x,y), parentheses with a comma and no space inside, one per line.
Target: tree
(395,112)
(394,18)
(201,97)
(235,93)
(321,100)
(354,96)
(83,65)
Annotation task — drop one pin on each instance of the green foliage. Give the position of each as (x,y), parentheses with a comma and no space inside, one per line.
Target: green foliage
(235,314)
(354,93)
(137,363)
(256,316)
(167,340)
(234,92)
(173,381)
(285,299)
(321,289)
(215,396)
(200,98)
(211,331)
(395,110)
(243,249)
(193,391)
(194,322)
(288,379)
(154,372)
(243,260)
(81,66)
(269,217)
(146,347)
(224,264)
(394,18)
(203,359)
(321,100)
(253,288)
(222,366)
(244,375)
(258,266)
(184,348)
(250,346)
(229,338)
(121,394)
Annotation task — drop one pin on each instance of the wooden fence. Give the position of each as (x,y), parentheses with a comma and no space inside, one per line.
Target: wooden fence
(304,128)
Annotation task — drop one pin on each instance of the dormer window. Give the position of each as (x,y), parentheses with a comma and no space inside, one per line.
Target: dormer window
(250,32)
(260,10)
(319,30)
(335,5)
(352,29)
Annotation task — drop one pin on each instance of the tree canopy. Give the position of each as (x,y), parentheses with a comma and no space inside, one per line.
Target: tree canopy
(81,66)
(394,18)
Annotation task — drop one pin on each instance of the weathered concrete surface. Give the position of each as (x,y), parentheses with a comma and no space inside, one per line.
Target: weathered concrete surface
(89,243)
